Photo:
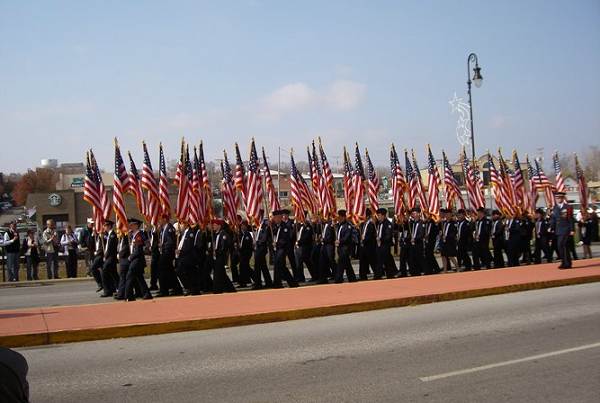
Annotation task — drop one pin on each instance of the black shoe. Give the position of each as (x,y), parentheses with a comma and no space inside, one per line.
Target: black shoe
(147,296)
(105,295)
(119,298)
(294,285)
(277,286)
(161,295)
(131,299)
(176,293)
(153,288)
(257,287)
(99,289)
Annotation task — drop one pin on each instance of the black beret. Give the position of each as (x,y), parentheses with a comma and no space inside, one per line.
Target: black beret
(540,211)
(109,222)
(482,210)
(560,194)
(382,211)
(415,210)
(461,211)
(342,213)
(496,212)
(285,211)
(133,220)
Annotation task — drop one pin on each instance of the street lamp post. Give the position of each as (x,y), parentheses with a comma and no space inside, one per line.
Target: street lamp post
(477,80)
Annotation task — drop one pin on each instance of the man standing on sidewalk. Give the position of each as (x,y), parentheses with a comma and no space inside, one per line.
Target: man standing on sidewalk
(50,241)
(11,246)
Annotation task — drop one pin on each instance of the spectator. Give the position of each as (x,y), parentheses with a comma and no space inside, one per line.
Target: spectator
(88,244)
(11,246)
(50,240)
(69,244)
(586,230)
(31,250)
(594,218)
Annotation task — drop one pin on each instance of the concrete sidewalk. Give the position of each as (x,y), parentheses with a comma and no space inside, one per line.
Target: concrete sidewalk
(38,326)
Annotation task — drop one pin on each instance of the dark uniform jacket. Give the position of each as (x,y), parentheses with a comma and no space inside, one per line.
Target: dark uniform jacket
(328,237)
(384,234)
(123,250)
(305,235)
(368,234)
(344,234)
(282,236)
(168,240)
(264,238)
(483,230)
(246,242)
(416,231)
(136,255)
(110,248)
(187,246)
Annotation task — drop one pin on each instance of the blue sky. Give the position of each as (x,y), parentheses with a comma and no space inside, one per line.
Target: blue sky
(74,74)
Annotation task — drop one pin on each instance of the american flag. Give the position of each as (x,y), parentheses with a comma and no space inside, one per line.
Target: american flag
(193,208)
(104,200)
(451,189)
(179,171)
(373,183)
(230,199)
(583,189)
(519,183)
(271,191)
(91,194)
(254,187)
(308,199)
(358,184)
(473,182)
(497,185)
(560,182)
(543,183)
(398,181)
(182,209)
(200,194)
(296,191)
(149,183)
(347,184)
(412,182)
(330,208)
(205,185)
(240,174)
(533,191)
(163,188)
(508,184)
(314,180)
(433,185)
(135,188)
(120,186)
(419,184)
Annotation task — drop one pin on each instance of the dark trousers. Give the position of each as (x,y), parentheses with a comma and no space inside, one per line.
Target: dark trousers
(187,272)
(326,262)
(281,271)
(481,255)
(135,284)
(344,265)
(221,282)
(32,267)
(71,263)
(462,256)
(52,265)
(154,268)
(245,269)
(291,256)
(303,257)
(415,259)
(403,262)
(564,250)
(123,269)
(431,265)
(526,251)
(367,258)
(513,251)
(385,262)
(541,245)
(498,256)
(261,269)
(109,276)
(234,261)
(206,269)
(315,257)
(167,280)
(96,269)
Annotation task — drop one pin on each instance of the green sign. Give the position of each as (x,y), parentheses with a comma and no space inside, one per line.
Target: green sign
(77,183)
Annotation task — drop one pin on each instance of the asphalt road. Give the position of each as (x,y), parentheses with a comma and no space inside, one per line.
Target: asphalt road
(536,346)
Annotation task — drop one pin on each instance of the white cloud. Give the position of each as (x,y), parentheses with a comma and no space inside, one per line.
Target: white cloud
(345,94)
(339,95)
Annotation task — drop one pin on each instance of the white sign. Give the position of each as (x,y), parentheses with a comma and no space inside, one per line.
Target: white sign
(463,126)
(54,199)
